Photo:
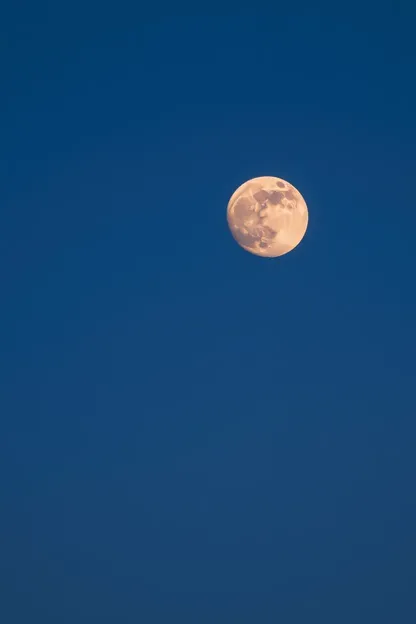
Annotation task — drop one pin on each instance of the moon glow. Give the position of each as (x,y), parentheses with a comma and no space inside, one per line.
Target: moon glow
(267,216)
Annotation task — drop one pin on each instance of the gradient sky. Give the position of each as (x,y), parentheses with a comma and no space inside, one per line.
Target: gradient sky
(190,433)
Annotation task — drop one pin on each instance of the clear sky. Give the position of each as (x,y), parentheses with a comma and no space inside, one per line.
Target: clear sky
(190,433)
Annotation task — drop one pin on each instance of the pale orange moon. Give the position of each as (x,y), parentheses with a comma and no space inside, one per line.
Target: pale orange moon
(267,216)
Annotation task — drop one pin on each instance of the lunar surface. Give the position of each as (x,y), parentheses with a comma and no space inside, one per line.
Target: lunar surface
(267,216)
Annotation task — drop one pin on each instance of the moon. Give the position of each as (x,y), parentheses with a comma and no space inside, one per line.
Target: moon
(267,216)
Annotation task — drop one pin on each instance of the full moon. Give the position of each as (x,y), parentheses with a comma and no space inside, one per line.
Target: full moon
(267,216)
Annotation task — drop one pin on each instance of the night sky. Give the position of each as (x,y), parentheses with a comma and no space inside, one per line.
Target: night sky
(189,433)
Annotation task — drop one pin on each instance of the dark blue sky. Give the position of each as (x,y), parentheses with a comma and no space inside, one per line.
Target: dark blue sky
(189,433)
